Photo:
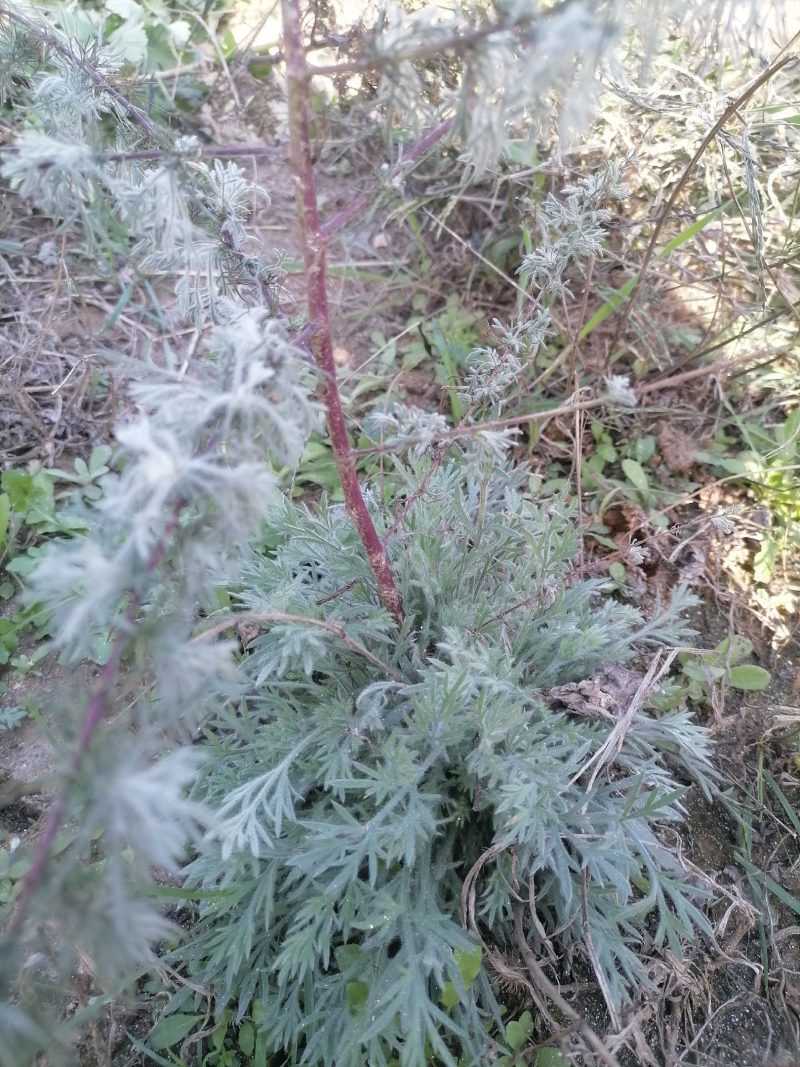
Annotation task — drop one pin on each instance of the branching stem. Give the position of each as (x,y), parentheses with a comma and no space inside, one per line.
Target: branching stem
(766,75)
(458,42)
(52,40)
(573,404)
(341,218)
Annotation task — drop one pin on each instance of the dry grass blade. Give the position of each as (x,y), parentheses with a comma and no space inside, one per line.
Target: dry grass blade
(538,984)
(613,743)
(592,952)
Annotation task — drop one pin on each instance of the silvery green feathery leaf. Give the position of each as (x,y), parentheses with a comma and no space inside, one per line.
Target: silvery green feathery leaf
(351,803)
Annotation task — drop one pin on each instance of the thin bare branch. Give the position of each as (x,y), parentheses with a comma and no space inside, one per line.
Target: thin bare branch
(766,75)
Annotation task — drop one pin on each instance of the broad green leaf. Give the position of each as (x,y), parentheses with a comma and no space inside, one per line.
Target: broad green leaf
(25,563)
(617,571)
(730,652)
(469,963)
(227,44)
(261,71)
(550,1057)
(703,671)
(515,1036)
(172,1029)
(98,461)
(521,152)
(357,995)
(746,464)
(5,511)
(180,31)
(19,868)
(450,995)
(8,638)
(748,676)
(130,40)
(790,431)
(102,643)
(635,474)
(606,452)
(644,448)
(220,1032)
(30,495)
(765,560)
(348,956)
(69,524)
(126,9)
(247,1038)
(518,1031)
(61,843)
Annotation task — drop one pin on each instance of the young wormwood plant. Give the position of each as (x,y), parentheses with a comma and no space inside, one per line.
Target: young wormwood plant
(356,793)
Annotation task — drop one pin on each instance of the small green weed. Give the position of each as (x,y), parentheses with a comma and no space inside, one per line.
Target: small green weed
(32,513)
(767,799)
(620,468)
(150,36)
(701,672)
(768,467)
(12,871)
(443,342)
(228,1044)
(12,716)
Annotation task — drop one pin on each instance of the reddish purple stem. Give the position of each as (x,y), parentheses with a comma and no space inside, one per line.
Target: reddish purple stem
(91,721)
(318,309)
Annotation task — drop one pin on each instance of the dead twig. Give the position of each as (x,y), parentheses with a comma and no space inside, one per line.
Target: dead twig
(552,993)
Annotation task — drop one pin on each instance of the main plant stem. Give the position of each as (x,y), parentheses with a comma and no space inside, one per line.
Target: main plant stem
(314,255)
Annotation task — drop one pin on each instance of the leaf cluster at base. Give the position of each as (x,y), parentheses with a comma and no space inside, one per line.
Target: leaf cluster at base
(353,800)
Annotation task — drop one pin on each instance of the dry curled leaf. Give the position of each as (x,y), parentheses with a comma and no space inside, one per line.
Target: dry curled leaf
(678,449)
(605,695)
(691,562)
(247,632)
(625,517)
